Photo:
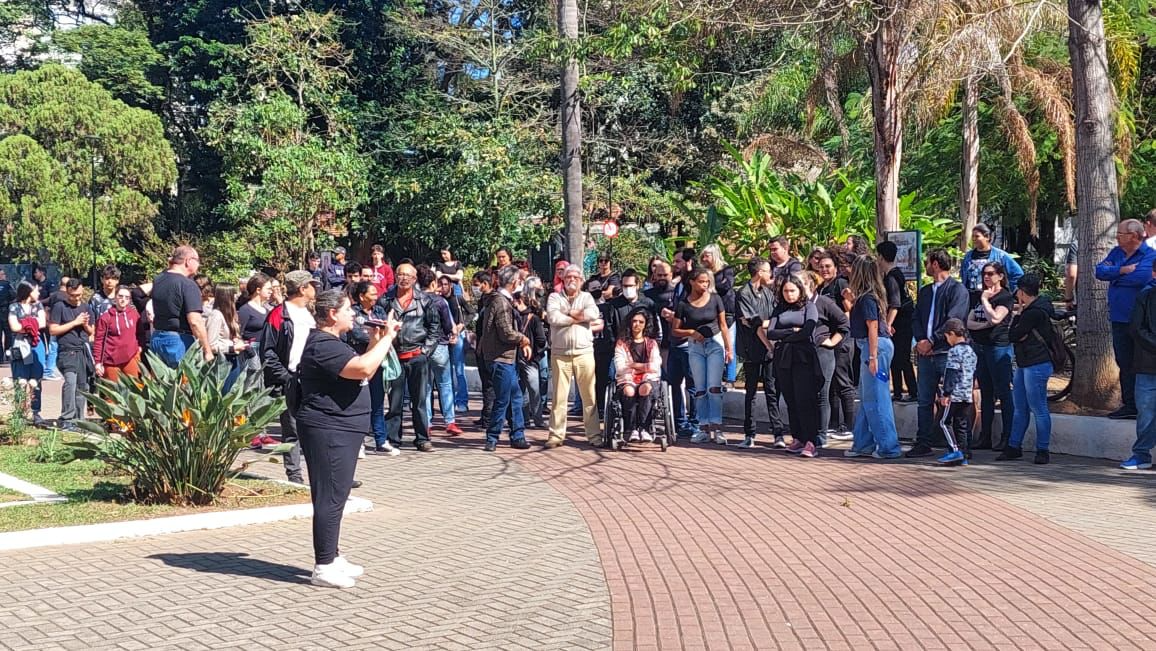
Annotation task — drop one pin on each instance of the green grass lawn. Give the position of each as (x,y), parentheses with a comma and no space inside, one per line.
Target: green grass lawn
(96,494)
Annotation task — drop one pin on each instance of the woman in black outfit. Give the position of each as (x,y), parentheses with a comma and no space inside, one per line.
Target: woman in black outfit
(842,391)
(796,362)
(989,324)
(830,337)
(332,419)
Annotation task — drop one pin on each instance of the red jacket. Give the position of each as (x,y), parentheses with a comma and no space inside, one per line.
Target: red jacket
(118,337)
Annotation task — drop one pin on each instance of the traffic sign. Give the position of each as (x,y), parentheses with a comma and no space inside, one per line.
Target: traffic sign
(609,228)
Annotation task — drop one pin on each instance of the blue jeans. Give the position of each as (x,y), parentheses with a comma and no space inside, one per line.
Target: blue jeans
(234,364)
(1124,349)
(50,358)
(1030,392)
(171,346)
(458,361)
(507,403)
(677,371)
(930,373)
(33,369)
(377,409)
(706,367)
(441,375)
(994,372)
(1146,418)
(732,369)
(875,422)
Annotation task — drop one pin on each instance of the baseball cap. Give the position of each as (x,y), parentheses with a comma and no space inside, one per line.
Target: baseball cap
(338,249)
(295,280)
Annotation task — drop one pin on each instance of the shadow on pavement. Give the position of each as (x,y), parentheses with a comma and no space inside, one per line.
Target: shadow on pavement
(235,564)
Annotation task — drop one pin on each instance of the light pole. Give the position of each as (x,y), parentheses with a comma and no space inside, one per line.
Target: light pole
(93,159)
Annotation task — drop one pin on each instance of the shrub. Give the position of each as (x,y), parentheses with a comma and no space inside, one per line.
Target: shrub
(15,407)
(173,431)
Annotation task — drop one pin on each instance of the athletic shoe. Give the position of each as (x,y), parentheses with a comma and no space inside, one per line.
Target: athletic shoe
(841,436)
(1010,454)
(647,437)
(634,436)
(255,443)
(701,437)
(490,446)
(387,449)
(331,576)
(1042,457)
(886,457)
(349,568)
(795,447)
(424,446)
(951,458)
(453,430)
(719,438)
(779,443)
(855,454)
(520,444)
(1123,413)
(920,450)
(1134,463)
(808,451)
(748,443)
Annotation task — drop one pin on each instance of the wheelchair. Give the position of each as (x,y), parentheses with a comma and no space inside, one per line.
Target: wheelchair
(661,424)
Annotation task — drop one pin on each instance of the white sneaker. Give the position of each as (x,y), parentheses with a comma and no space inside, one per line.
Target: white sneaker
(634,437)
(748,443)
(841,436)
(331,576)
(390,450)
(646,436)
(361,452)
(351,570)
(719,438)
(701,437)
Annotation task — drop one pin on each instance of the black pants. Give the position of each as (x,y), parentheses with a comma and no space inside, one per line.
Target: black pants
(332,459)
(292,458)
(827,416)
(955,421)
(415,376)
(602,361)
(636,409)
(487,392)
(843,391)
(902,370)
(800,385)
(753,374)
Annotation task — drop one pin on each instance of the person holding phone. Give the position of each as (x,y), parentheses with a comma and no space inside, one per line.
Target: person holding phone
(70,322)
(333,415)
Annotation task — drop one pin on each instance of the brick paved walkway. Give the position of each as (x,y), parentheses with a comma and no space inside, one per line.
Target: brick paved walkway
(696,548)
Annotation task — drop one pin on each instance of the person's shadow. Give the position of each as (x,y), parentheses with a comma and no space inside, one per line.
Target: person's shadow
(235,563)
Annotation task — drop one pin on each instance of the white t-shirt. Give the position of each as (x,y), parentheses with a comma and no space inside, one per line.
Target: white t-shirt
(1151,242)
(303,322)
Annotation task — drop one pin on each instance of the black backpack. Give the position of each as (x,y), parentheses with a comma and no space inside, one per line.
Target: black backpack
(1054,342)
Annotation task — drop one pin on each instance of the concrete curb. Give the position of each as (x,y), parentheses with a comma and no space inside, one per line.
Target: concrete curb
(159,526)
(39,494)
(1081,436)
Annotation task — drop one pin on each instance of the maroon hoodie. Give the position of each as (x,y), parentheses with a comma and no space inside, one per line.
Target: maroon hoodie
(118,336)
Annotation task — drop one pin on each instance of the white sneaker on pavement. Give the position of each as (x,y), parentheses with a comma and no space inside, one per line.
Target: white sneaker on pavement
(350,569)
(646,436)
(331,576)
(719,438)
(701,437)
(841,436)
(634,437)
(748,443)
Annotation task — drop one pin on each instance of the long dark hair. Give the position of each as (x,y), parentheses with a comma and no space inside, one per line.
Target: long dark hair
(254,285)
(626,334)
(225,302)
(797,281)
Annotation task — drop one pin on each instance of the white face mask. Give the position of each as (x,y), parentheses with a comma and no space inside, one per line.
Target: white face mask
(630,293)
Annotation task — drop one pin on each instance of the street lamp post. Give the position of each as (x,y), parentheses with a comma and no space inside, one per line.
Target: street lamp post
(93,159)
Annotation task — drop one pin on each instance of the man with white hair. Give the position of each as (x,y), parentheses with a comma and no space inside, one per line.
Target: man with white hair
(1127,270)
(574,318)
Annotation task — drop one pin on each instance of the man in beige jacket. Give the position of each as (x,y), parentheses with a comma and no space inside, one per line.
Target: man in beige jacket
(574,318)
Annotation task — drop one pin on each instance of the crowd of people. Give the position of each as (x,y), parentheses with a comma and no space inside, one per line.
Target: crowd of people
(834,337)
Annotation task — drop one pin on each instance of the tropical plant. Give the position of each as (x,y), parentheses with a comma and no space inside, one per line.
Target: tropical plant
(15,403)
(173,430)
(752,203)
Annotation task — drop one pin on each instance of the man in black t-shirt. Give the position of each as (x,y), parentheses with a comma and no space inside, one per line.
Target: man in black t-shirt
(177,309)
(783,266)
(900,310)
(70,322)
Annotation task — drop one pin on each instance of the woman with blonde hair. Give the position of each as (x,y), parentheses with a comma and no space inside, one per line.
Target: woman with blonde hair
(723,277)
(874,432)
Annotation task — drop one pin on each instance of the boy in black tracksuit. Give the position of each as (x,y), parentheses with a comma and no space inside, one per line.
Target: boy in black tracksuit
(954,395)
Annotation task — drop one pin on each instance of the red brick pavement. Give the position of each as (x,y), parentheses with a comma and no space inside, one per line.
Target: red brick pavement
(708,547)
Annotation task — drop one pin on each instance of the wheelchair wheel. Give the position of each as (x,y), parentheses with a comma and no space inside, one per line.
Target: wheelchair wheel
(668,415)
(611,420)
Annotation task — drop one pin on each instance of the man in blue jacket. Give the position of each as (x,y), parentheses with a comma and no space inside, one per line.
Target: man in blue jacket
(945,298)
(1127,269)
(971,270)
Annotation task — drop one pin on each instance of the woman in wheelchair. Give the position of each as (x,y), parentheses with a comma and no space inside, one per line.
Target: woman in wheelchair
(638,366)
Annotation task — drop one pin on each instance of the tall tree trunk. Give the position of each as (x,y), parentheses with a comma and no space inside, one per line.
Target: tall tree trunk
(883,65)
(1097,382)
(571,118)
(969,163)
(831,94)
